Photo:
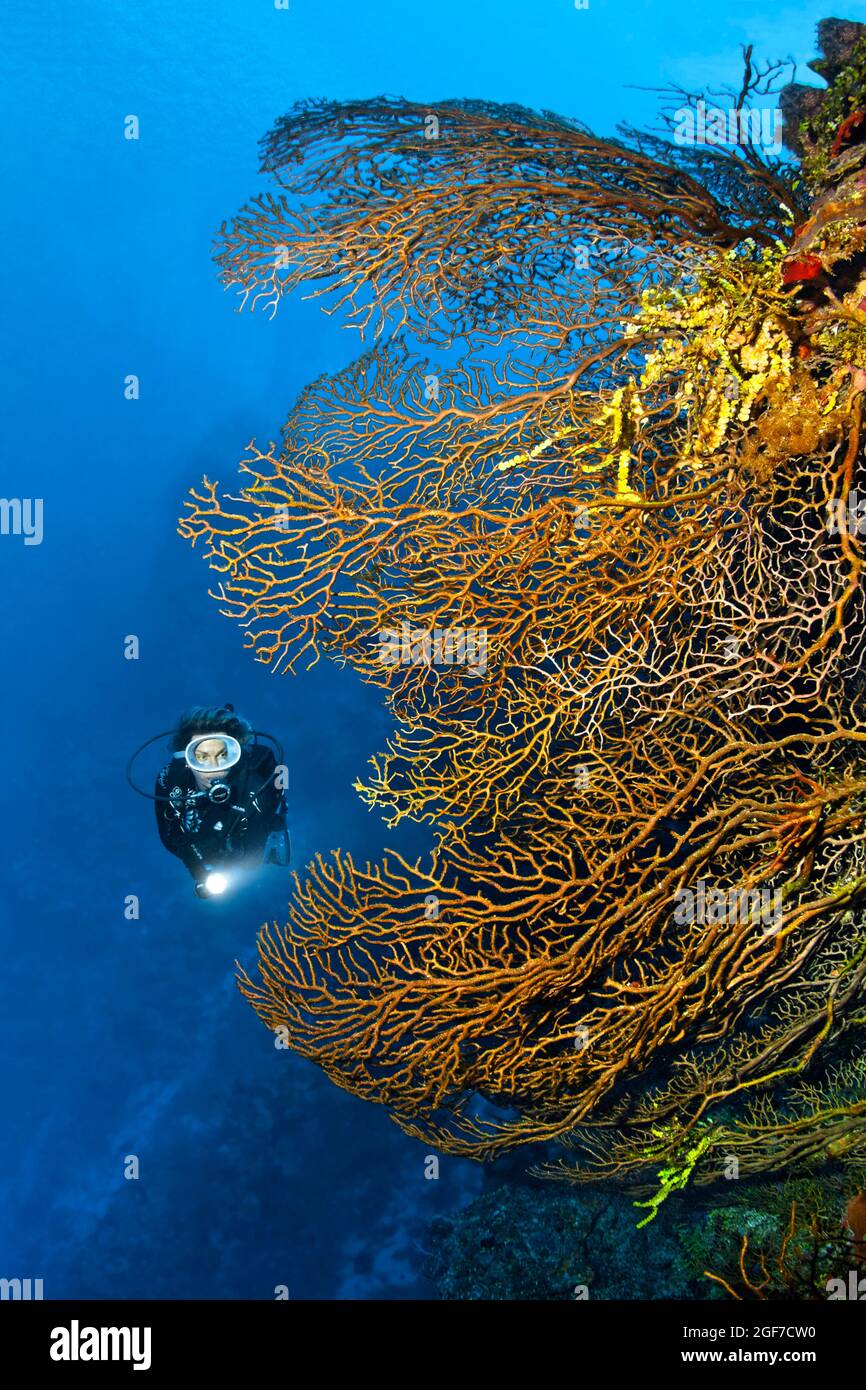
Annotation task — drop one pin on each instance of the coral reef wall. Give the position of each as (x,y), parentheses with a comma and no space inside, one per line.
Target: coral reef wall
(585,511)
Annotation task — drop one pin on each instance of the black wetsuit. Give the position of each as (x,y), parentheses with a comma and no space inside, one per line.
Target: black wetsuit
(205,834)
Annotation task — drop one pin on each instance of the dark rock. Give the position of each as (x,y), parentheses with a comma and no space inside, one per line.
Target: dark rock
(551,1242)
(796,103)
(837,39)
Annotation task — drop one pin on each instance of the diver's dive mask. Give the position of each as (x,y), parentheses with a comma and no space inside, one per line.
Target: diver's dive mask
(213,755)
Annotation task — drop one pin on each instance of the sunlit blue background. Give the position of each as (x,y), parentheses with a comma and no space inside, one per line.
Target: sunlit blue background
(124,1037)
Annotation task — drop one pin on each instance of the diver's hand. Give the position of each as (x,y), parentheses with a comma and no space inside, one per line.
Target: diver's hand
(210,882)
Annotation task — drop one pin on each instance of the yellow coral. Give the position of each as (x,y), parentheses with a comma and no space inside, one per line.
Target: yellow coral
(727,340)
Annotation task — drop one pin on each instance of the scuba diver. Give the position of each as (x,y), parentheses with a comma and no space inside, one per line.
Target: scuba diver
(218,803)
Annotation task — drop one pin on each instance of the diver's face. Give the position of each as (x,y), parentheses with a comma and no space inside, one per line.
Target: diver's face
(211,755)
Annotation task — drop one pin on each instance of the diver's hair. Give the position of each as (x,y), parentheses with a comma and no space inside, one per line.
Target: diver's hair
(210,719)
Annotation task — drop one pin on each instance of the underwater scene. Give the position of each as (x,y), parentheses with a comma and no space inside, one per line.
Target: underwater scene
(433,549)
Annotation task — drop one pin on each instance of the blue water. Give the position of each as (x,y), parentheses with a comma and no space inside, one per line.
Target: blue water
(128,1038)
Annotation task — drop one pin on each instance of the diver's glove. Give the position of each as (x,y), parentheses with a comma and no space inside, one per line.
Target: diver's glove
(278,849)
(210,883)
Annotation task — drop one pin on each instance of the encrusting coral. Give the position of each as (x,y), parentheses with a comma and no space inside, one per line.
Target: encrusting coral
(810,1256)
(608,441)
